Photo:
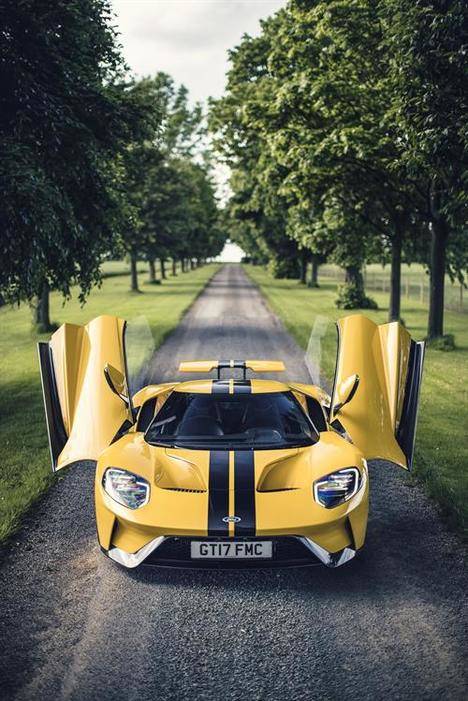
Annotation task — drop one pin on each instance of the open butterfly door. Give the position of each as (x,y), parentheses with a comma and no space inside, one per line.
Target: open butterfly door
(83,413)
(381,417)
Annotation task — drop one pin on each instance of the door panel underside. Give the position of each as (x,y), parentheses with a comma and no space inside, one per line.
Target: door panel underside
(83,414)
(381,417)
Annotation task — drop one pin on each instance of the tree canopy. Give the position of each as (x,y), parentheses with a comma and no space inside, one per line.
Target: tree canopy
(321,124)
(93,162)
(66,113)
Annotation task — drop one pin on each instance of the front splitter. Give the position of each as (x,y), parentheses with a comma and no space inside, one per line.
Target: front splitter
(132,560)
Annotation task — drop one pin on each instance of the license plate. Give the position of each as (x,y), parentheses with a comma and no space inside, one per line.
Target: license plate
(258,549)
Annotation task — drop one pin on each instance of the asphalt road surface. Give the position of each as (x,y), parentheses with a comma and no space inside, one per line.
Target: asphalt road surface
(389,625)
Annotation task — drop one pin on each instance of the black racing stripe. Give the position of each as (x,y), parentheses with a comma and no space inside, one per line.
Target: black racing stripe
(220,387)
(242,387)
(244,497)
(218,486)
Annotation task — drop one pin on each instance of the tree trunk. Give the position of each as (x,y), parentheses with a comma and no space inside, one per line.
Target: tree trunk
(314,273)
(192,264)
(303,264)
(152,272)
(353,276)
(163,268)
(42,309)
(133,271)
(182,265)
(174,267)
(439,231)
(395,278)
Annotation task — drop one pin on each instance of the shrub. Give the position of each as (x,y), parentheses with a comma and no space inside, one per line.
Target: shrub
(352,296)
(442,343)
(284,268)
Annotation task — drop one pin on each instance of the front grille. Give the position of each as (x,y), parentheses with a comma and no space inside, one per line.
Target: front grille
(288,551)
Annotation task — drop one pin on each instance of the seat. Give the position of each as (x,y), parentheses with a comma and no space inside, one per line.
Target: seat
(200,426)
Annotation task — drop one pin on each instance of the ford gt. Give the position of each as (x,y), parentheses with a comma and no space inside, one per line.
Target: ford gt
(225,472)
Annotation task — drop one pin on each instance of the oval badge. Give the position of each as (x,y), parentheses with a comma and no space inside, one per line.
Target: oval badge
(232,519)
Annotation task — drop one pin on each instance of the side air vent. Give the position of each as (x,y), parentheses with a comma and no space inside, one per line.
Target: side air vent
(280,489)
(179,489)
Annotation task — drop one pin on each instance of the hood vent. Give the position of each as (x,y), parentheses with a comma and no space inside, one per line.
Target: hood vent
(283,474)
(178,473)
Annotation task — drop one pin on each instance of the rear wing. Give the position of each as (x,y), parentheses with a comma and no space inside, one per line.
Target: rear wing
(211,365)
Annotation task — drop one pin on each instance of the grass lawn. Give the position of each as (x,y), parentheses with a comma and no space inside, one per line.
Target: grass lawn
(441,458)
(26,471)
(414,283)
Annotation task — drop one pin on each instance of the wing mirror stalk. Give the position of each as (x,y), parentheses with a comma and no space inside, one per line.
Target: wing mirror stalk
(116,381)
(344,393)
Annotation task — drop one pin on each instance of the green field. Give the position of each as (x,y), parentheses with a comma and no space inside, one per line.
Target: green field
(442,442)
(26,469)
(414,283)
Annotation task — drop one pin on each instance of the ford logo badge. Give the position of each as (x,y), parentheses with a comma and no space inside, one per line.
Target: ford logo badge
(232,519)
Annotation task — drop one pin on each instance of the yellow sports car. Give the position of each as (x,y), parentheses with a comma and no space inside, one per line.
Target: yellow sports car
(224,472)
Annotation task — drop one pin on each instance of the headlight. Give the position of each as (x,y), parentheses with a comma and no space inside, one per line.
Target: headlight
(126,488)
(337,488)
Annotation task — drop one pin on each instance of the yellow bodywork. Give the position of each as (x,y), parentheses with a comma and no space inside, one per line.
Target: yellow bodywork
(379,356)
(84,416)
(253,365)
(91,412)
(179,500)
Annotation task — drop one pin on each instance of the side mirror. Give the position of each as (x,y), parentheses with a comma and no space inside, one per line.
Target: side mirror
(344,393)
(116,382)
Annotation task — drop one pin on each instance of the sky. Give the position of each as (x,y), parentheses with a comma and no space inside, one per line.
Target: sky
(187,38)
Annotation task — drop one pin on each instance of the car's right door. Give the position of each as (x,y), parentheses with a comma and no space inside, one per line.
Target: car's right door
(381,417)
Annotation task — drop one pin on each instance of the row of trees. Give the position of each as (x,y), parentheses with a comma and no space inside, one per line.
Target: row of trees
(92,164)
(344,124)
(169,185)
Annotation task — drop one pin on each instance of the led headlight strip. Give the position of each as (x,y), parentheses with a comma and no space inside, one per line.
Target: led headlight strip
(338,487)
(126,488)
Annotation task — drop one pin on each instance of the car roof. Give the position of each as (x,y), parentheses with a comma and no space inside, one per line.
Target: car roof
(226,386)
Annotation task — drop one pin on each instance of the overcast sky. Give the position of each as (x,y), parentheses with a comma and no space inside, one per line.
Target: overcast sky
(187,38)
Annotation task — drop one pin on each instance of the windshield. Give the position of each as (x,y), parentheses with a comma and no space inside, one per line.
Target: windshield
(270,420)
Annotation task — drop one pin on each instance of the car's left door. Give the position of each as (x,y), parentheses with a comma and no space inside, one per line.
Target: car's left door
(83,413)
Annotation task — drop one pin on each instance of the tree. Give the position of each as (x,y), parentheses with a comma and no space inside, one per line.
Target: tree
(331,129)
(65,116)
(152,172)
(141,157)
(427,40)
(258,213)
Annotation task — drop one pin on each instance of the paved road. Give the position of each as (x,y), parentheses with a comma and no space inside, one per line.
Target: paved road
(390,625)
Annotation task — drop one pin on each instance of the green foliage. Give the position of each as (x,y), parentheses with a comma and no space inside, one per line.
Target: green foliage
(321,125)
(351,296)
(257,213)
(65,116)
(427,41)
(284,268)
(171,191)
(442,343)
